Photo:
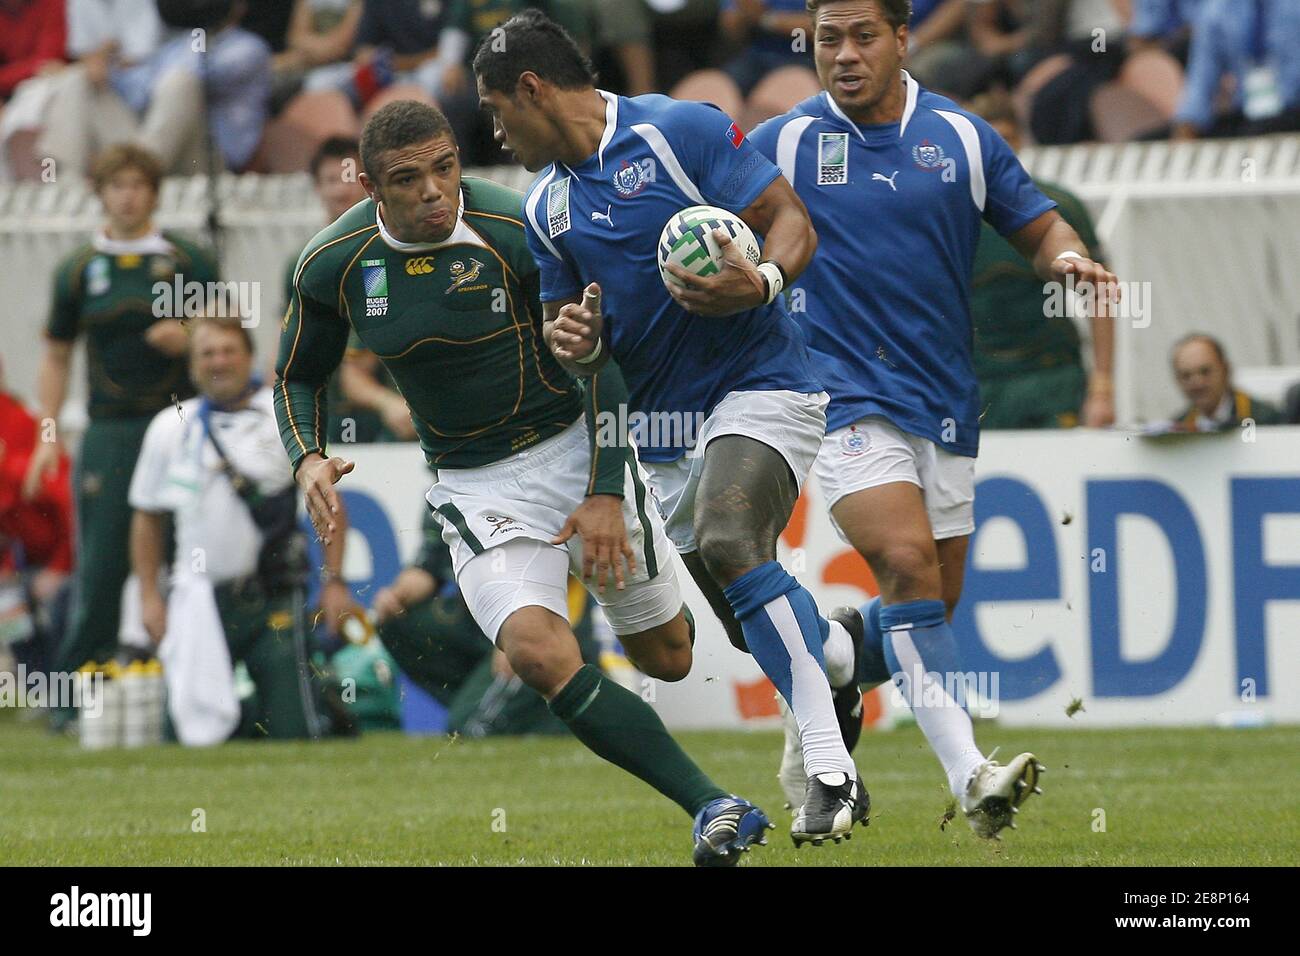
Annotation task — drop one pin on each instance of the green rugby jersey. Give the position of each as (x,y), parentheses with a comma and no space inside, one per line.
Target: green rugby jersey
(1012,334)
(105,290)
(458,325)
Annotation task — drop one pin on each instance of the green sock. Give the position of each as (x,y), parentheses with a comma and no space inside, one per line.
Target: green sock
(619,726)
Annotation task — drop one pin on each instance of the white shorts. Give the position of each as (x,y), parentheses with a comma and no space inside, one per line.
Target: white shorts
(874,452)
(792,423)
(529,496)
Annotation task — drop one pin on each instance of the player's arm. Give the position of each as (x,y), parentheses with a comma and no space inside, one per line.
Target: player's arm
(598,521)
(312,342)
(779,215)
(52,377)
(1056,251)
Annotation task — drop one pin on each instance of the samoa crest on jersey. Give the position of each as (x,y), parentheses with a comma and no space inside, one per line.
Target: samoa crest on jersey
(631,179)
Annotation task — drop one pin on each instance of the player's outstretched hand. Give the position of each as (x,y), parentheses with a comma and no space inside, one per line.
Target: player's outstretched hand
(316,477)
(578,327)
(737,287)
(598,521)
(1091,279)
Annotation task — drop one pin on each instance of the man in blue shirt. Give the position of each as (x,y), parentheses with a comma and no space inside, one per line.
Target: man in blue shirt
(1258,43)
(718,357)
(897,180)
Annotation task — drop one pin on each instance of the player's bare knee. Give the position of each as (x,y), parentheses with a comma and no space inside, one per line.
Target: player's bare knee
(727,552)
(904,567)
(663,653)
(540,648)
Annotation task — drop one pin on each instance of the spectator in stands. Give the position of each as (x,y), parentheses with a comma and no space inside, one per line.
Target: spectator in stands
(110,43)
(125,90)
(135,365)
(31,55)
(1257,44)
(773,69)
(1204,376)
(212,468)
(35,541)
(321,32)
(938,56)
(1164,25)
(32,34)
(406,49)
(1029,362)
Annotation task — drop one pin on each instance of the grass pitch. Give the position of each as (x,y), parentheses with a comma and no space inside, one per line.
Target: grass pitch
(1169,797)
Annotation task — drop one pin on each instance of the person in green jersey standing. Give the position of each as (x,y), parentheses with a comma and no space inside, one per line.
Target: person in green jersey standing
(1028,358)
(434,276)
(135,358)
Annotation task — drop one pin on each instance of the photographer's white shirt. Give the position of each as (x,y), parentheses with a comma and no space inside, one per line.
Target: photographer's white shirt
(180,471)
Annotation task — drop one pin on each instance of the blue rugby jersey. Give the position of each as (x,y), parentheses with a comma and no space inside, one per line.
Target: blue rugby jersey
(897,209)
(599,221)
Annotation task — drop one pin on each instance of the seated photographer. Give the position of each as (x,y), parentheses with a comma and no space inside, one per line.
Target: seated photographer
(216,465)
(1204,376)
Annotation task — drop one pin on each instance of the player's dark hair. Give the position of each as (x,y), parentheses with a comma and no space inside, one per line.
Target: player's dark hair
(336,147)
(400,124)
(897,13)
(531,42)
(1209,340)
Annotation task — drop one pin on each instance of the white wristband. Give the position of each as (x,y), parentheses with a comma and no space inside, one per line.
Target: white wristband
(595,354)
(775,283)
(1070,255)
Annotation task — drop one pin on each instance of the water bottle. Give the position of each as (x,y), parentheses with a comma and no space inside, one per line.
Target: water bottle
(99,720)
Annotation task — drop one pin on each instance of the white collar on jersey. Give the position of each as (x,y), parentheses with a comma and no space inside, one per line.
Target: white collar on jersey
(461,234)
(611,125)
(151,244)
(913,90)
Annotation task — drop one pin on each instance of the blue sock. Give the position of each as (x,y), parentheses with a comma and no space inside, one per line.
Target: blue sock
(872,668)
(929,630)
(920,631)
(753,590)
(785,638)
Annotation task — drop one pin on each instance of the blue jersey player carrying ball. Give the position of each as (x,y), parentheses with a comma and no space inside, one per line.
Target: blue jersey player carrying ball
(721,352)
(896,180)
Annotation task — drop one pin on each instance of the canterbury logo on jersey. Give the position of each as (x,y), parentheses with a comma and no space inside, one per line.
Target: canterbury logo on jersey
(419,267)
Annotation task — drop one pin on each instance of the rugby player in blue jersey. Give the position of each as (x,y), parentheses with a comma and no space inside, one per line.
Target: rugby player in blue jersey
(896,180)
(722,351)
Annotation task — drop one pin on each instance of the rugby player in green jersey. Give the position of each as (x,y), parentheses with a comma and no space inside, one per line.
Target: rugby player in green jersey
(433,275)
(104,292)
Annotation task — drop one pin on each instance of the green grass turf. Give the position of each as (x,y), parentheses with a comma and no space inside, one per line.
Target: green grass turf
(1171,797)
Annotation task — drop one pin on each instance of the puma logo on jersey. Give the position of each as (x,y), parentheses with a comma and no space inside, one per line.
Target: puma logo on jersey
(886,179)
(606,216)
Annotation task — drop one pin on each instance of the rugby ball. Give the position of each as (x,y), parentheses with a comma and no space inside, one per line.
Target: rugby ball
(687,240)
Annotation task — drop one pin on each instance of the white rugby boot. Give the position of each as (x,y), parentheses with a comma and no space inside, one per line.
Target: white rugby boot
(995,793)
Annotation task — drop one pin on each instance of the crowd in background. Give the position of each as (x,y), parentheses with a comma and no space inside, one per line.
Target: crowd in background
(276,78)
